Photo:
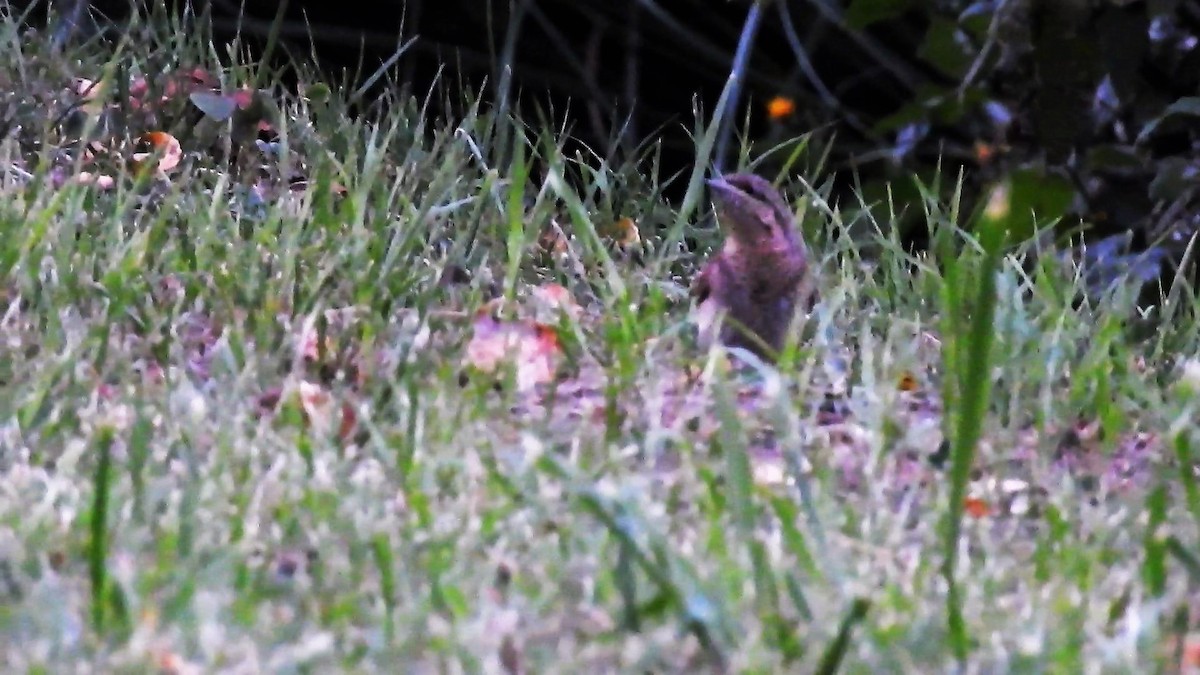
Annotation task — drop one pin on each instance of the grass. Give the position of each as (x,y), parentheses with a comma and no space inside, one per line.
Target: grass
(179,354)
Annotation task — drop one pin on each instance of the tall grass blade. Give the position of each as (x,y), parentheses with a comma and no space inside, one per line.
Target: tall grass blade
(972,367)
(98,528)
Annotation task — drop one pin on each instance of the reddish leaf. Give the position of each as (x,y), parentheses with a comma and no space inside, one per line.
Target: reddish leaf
(349,421)
(624,232)
(159,143)
(976,507)
(101,181)
(532,347)
(555,298)
(254,113)
(553,240)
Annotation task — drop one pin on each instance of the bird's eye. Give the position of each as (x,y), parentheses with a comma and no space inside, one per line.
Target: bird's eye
(758,191)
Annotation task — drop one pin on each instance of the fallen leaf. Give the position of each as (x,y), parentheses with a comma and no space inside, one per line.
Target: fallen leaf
(310,346)
(556,298)
(553,240)
(101,181)
(92,94)
(182,81)
(532,346)
(169,662)
(624,232)
(159,143)
(189,81)
(321,410)
(1191,652)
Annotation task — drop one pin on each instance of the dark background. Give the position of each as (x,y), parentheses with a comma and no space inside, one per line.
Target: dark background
(622,70)
(1089,107)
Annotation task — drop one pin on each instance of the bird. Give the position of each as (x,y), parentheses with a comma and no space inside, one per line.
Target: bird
(748,292)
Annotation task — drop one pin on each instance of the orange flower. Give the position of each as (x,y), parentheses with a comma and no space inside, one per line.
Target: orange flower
(780,107)
(984,152)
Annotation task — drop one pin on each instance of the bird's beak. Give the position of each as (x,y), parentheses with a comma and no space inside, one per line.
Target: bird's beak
(720,185)
(722,192)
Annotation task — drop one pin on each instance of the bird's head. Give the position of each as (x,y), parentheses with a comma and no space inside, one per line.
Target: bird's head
(753,212)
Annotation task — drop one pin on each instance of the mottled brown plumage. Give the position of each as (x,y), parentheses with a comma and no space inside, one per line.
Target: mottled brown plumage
(761,275)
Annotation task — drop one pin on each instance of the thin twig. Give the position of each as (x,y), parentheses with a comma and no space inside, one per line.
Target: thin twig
(988,44)
(736,75)
(585,69)
(831,12)
(633,39)
(805,63)
(505,65)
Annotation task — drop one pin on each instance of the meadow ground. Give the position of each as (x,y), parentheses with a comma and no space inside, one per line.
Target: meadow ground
(287,390)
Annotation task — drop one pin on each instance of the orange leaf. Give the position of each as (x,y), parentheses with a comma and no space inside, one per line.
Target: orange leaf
(161,143)
(625,232)
(546,337)
(1191,651)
